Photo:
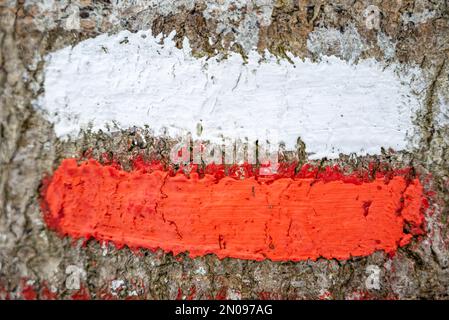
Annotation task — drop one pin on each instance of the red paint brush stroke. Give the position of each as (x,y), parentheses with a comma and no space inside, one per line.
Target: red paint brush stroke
(287,218)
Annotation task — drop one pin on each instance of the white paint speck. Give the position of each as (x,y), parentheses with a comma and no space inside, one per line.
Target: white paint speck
(104,249)
(233,295)
(117,284)
(333,106)
(73,20)
(132,293)
(201,271)
(372,282)
(74,276)
(372,17)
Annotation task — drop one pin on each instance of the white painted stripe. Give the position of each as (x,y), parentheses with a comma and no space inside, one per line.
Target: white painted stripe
(133,80)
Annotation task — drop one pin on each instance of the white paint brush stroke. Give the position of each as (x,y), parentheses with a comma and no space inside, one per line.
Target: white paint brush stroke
(335,107)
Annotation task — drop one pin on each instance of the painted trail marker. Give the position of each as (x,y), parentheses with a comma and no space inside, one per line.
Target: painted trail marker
(131,79)
(294,217)
(333,106)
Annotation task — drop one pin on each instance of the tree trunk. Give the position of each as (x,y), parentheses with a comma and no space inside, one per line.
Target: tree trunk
(37,263)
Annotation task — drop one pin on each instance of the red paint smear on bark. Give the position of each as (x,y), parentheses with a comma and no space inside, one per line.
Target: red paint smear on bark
(192,293)
(4,294)
(28,292)
(46,293)
(222,294)
(294,215)
(325,296)
(179,295)
(81,294)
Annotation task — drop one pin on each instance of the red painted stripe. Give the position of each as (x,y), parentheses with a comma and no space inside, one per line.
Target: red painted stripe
(287,218)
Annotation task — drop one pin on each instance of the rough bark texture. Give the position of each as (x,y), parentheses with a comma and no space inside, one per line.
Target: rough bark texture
(36,263)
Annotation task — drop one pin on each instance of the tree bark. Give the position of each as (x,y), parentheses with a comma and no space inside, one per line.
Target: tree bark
(37,263)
